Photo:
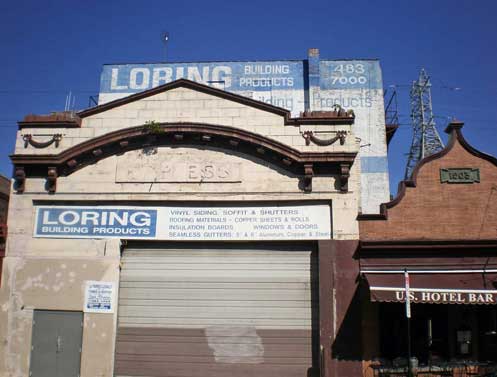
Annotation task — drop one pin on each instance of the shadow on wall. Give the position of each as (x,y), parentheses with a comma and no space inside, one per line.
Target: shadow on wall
(348,341)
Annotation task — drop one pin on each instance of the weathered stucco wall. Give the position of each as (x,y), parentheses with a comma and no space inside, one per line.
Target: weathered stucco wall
(51,273)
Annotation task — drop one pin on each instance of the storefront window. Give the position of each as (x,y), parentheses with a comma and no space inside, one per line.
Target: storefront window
(439,333)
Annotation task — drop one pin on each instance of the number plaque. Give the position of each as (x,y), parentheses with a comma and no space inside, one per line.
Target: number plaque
(459,175)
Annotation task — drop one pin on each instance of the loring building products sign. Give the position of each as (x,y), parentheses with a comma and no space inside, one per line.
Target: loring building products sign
(297,222)
(296,85)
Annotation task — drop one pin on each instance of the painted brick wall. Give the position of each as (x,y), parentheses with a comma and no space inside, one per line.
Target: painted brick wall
(443,211)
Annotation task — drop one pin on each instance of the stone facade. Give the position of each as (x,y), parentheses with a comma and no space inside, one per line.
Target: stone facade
(50,274)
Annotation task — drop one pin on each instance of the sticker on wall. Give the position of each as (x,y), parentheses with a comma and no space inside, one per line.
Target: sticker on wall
(99,297)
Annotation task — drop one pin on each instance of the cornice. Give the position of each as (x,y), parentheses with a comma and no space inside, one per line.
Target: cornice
(337,117)
(308,164)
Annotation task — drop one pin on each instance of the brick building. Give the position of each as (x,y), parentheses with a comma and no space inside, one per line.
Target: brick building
(442,230)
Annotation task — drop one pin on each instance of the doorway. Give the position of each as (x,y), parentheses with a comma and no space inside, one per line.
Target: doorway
(56,343)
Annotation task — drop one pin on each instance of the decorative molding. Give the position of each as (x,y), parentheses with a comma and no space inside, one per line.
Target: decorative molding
(344,177)
(428,244)
(72,163)
(64,119)
(52,180)
(20,179)
(336,117)
(28,140)
(223,137)
(308,174)
(309,136)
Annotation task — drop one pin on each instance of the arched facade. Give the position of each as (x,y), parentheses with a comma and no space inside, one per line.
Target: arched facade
(175,223)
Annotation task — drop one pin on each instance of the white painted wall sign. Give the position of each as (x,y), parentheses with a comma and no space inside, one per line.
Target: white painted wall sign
(285,222)
(99,297)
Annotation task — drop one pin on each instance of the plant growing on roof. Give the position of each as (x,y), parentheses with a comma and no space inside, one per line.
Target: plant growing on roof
(153,127)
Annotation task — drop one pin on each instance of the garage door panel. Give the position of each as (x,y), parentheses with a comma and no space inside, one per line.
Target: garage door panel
(216,312)
(284,360)
(163,282)
(187,333)
(204,322)
(226,340)
(164,369)
(214,276)
(217,266)
(220,312)
(203,349)
(229,253)
(192,304)
(220,293)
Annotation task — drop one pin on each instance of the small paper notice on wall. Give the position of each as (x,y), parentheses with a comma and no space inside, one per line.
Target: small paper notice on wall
(99,297)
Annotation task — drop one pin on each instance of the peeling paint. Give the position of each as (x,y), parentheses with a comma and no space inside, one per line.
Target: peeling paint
(32,281)
(244,347)
(58,287)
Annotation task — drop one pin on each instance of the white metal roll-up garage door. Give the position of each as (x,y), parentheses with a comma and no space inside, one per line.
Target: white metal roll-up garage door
(216,311)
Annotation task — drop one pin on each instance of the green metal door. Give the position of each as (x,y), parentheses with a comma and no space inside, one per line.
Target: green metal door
(56,343)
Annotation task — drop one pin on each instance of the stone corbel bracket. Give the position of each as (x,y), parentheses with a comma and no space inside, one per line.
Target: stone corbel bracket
(28,140)
(52,180)
(20,179)
(344,177)
(309,137)
(308,174)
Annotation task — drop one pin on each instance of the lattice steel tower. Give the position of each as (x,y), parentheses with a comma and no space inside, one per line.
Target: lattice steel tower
(425,138)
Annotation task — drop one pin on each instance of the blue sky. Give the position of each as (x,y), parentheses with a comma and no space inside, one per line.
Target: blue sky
(52,47)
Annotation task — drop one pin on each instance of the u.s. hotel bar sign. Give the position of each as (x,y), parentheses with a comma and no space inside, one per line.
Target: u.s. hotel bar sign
(217,223)
(437,296)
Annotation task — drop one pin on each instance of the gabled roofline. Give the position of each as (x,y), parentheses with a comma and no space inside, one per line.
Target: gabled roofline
(454,130)
(339,118)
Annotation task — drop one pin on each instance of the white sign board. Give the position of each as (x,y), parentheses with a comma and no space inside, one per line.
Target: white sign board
(99,297)
(234,223)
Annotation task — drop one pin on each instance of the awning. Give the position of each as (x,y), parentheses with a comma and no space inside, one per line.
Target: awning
(436,287)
